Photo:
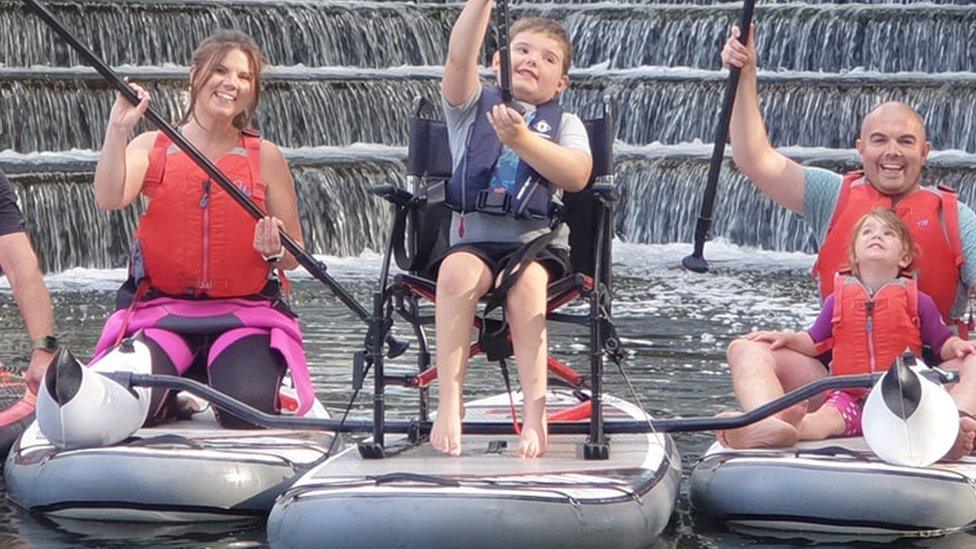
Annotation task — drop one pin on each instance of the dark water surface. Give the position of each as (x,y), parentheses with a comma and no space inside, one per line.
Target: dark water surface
(675,326)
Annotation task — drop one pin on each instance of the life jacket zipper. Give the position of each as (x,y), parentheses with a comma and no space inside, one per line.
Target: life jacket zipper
(869,325)
(205,206)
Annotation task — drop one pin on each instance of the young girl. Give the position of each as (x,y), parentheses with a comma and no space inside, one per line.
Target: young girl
(875,313)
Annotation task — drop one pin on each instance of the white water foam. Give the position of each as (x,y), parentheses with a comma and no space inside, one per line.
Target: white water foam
(630,260)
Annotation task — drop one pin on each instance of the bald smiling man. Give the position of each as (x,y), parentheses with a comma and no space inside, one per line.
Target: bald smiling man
(893,148)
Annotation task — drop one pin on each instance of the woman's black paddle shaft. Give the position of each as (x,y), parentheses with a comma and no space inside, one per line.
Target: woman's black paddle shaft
(305,259)
(696,261)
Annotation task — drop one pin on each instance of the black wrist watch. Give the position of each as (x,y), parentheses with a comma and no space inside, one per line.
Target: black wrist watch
(47,343)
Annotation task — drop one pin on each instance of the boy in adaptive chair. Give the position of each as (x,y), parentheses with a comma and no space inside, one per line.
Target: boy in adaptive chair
(509,172)
(874,314)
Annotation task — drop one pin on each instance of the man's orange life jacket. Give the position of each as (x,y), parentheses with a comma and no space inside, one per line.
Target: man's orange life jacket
(868,332)
(194,238)
(932,216)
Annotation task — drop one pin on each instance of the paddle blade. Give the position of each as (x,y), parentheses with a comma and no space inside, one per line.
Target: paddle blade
(695,263)
(901,390)
(79,408)
(909,420)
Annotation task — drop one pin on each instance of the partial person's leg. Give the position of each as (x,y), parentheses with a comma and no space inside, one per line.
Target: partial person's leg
(462,279)
(171,355)
(526,314)
(760,375)
(242,364)
(839,416)
(964,393)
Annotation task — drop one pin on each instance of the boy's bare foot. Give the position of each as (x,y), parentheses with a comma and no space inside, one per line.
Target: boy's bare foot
(532,441)
(964,441)
(445,435)
(771,432)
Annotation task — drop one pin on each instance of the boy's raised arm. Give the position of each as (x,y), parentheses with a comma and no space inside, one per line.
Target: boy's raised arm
(461,67)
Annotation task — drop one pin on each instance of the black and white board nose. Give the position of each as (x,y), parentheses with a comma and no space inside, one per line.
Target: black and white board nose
(909,420)
(78,407)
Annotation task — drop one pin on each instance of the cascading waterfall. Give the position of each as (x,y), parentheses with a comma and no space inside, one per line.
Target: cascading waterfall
(344,75)
(369,106)
(364,34)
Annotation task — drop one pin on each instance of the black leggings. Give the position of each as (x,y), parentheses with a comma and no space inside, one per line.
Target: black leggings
(248,370)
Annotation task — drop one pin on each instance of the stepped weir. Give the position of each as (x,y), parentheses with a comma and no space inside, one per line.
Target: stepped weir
(344,73)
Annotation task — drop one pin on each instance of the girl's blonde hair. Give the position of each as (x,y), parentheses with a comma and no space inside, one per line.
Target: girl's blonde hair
(205,59)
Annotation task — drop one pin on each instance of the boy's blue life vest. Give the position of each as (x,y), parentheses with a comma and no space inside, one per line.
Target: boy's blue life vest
(469,189)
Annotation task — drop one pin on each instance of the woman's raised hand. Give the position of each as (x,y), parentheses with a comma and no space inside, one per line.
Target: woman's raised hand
(125,115)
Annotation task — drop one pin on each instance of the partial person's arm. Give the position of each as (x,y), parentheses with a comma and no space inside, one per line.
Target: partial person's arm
(19,264)
(936,335)
(778,177)
(282,206)
(800,342)
(461,67)
(967,237)
(121,167)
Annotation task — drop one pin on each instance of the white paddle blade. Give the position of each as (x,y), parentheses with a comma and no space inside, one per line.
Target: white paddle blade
(77,407)
(916,439)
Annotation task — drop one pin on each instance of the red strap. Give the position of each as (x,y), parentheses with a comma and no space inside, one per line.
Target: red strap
(845,190)
(823,346)
(141,290)
(911,292)
(252,143)
(157,164)
(950,212)
(285,283)
(828,344)
(838,287)
(515,422)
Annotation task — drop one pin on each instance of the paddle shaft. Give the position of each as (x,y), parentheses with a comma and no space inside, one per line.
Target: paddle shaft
(676,425)
(502,23)
(704,224)
(315,267)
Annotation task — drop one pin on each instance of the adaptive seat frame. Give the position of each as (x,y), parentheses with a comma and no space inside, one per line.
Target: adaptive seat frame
(420,216)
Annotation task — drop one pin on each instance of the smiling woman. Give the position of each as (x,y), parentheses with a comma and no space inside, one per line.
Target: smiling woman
(201,280)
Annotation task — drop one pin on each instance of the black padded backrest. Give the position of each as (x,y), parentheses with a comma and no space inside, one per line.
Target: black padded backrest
(428,154)
(581,207)
(600,131)
(429,158)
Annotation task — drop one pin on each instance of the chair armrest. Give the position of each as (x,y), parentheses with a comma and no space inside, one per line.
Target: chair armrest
(606,191)
(397,195)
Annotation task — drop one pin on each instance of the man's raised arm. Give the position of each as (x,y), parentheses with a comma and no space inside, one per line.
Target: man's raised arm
(778,177)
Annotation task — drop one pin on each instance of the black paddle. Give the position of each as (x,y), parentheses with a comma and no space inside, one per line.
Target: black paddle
(502,23)
(312,265)
(696,261)
(674,425)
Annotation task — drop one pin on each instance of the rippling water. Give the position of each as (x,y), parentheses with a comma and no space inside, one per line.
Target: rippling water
(675,326)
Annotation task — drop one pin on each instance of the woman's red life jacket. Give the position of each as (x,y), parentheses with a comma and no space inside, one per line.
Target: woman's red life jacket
(194,239)
(869,332)
(932,216)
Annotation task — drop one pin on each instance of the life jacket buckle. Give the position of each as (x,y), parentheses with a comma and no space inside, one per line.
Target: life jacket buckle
(495,201)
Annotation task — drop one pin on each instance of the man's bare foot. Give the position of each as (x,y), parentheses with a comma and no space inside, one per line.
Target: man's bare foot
(532,441)
(771,432)
(445,435)
(964,441)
